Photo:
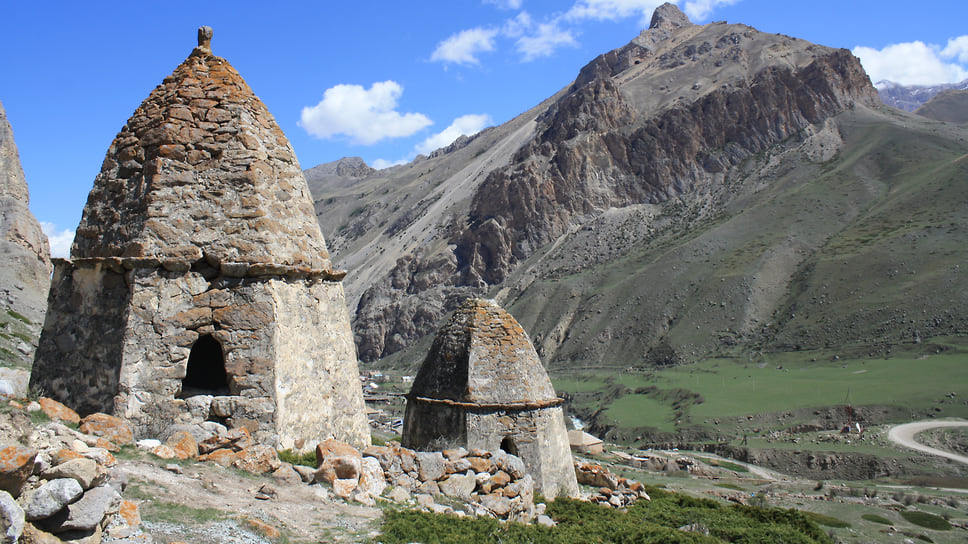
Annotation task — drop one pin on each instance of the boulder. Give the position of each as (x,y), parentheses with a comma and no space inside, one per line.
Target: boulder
(224,457)
(497,505)
(430,466)
(16,465)
(372,478)
(58,411)
(51,497)
(334,448)
(286,473)
(459,486)
(512,464)
(85,514)
(126,521)
(183,444)
(11,519)
(343,488)
(113,429)
(258,459)
(341,467)
(84,470)
(399,495)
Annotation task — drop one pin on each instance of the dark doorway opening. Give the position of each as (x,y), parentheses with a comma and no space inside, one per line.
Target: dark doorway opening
(206,369)
(508,446)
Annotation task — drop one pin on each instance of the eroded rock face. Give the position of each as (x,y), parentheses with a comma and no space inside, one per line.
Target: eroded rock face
(609,144)
(25,254)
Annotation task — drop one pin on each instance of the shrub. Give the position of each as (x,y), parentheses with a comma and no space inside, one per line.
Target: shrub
(877,519)
(655,521)
(926,520)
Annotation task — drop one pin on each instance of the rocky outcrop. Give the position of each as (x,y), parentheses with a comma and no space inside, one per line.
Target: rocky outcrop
(602,146)
(25,274)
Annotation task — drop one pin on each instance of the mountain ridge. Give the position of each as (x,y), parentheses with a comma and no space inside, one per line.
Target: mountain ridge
(653,145)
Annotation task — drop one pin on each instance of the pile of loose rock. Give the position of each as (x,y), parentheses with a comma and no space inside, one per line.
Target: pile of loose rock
(453,481)
(61,484)
(613,490)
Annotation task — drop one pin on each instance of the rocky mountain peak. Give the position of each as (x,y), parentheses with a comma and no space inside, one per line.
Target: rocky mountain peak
(668,17)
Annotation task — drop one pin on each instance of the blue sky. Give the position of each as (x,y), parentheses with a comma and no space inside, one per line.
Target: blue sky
(383,80)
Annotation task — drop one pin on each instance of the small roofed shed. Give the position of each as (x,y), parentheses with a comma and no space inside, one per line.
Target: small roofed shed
(483,386)
(583,442)
(199,285)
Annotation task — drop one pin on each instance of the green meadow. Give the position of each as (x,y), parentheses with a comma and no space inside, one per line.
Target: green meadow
(730,389)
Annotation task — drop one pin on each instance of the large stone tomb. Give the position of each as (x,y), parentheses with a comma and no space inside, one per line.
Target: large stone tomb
(199,286)
(483,386)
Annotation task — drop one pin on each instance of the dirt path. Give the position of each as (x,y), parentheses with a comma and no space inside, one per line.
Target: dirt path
(904,435)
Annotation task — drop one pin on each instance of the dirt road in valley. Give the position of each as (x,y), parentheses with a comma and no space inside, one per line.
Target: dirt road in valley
(904,435)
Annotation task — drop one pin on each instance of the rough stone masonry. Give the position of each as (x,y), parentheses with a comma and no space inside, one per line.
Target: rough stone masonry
(482,386)
(199,286)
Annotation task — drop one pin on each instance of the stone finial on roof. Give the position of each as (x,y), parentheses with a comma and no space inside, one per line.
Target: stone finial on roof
(205,39)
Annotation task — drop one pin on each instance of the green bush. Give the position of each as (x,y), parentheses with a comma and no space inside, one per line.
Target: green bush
(655,521)
(877,519)
(926,520)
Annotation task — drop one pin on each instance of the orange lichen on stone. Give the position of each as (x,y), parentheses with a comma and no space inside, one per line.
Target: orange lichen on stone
(56,410)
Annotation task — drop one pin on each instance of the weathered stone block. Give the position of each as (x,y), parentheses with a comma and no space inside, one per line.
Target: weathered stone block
(16,465)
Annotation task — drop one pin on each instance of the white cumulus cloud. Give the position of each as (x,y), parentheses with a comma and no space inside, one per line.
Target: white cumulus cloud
(700,10)
(381,164)
(957,49)
(60,239)
(612,10)
(465,125)
(463,47)
(915,63)
(365,115)
(506,4)
(544,41)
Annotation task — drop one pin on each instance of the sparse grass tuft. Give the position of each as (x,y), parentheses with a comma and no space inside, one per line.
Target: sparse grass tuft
(19,317)
(306,459)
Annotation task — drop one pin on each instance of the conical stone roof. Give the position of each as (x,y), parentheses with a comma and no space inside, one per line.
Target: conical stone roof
(202,169)
(482,356)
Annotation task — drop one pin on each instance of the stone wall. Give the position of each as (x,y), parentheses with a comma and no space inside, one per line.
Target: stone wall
(120,340)
(317,388)
(202,169)
(537,437)
(78,359)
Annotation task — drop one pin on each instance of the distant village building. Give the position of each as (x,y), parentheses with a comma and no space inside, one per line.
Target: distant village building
(483,386)
(199,285)
(582,442)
